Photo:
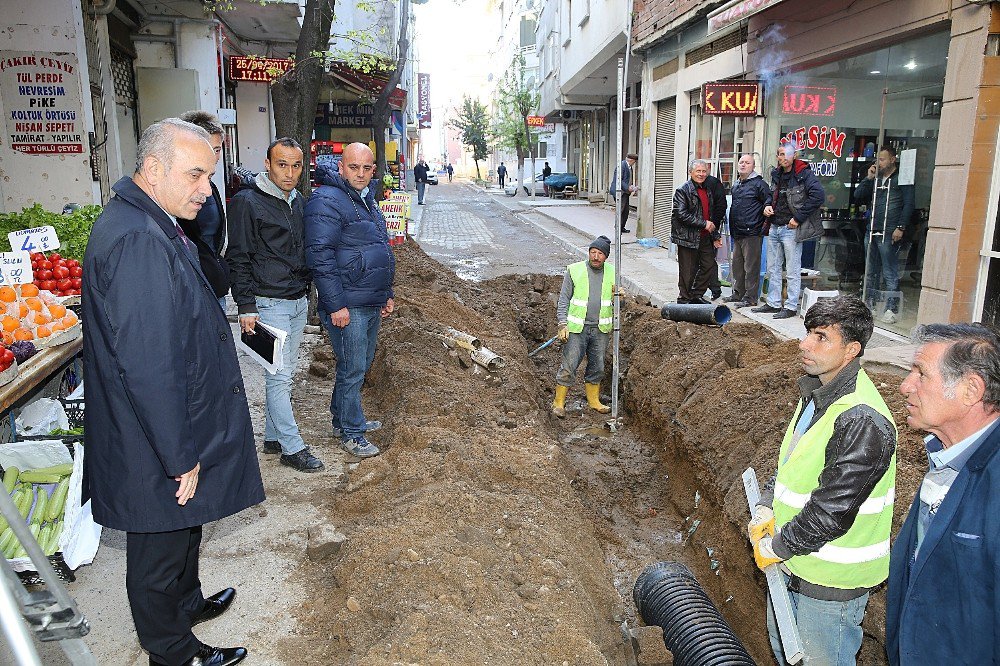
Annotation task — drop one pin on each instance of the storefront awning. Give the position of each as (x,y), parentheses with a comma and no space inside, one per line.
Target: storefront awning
(367,84)
(736,11)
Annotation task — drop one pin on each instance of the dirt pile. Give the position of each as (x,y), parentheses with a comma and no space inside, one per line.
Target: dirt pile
(490,532)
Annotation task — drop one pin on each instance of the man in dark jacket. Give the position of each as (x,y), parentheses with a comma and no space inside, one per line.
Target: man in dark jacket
(501,174)
(943,601)
(267,261)
(696,234)
(746,224)
(208,231)
(625,188)
(794,212)
(166,411)
(347,247)
(828,522)
(890,222)
(420,178)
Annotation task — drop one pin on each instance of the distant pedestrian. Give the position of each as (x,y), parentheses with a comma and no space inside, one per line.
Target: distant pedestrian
(624,171)
(451,172)
(420,178)
(501,174)
(746,224)
(696,234)
(585,316)
(546,172)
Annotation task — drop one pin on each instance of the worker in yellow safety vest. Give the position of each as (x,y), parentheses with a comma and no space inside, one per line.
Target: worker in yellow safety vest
(829,519)
(585,314)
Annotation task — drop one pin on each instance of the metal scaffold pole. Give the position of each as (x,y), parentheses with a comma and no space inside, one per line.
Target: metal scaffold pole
(616,333)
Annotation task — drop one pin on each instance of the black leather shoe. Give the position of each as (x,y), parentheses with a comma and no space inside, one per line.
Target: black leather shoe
(272,446)
(784,313)
(212,656)
(765,309)
(215,605)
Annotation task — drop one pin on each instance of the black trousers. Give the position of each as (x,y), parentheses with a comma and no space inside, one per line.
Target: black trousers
(624,213)
(746,267)
(501,179)
(695,268)
(164,591)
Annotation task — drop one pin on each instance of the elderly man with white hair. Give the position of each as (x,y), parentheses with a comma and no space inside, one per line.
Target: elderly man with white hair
(697,235)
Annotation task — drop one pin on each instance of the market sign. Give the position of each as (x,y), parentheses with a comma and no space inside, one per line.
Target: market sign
(41,99)
(347,114)
(816,137)
(423,101)
(731,98)
(256,68)
(738,10)
(808,101)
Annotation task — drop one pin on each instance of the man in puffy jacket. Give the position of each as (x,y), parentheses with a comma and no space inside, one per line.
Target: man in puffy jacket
(746,224)
(347,248)
(696,234)
(270,281)
(794,212)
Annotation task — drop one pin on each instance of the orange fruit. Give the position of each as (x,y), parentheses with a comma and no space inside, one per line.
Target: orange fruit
(24,334)
(10,323)
(57,311)
(8,295)
(29,290)
(57,326)
(22,309)
(69,320)
(8,338)
(33,304)
(43,331)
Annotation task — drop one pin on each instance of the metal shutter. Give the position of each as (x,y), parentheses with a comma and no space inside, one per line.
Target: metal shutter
(663,169)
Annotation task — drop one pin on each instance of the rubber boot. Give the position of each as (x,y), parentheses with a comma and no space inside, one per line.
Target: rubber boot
(559,402)
(594,399)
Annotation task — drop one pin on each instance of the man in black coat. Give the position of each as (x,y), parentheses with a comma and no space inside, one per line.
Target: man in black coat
(746,224)
(169,439)
(420,178)
(501,174)
(696,234)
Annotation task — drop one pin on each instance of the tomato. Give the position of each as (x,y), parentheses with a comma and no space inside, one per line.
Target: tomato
(48,285)
(77,282)
(7,356)
(43,274)
(38,256)
(64,284)
(74,292)
(56,292)
(37,283)
(60,272)
(47,265)
(34,265)
(55,257)
(75,271)
(71,262)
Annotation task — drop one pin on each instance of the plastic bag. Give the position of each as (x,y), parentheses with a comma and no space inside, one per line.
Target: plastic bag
(42,417)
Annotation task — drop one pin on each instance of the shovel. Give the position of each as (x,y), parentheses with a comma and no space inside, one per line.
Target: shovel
(544,345)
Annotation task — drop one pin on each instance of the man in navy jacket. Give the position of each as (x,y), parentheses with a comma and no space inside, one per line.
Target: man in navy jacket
(943,596)
(347,248)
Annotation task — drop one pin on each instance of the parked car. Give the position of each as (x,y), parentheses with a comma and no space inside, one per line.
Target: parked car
(432,177)
(556,182)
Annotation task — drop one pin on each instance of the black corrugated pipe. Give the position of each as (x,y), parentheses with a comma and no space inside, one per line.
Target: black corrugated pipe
(668,595)
(697,314)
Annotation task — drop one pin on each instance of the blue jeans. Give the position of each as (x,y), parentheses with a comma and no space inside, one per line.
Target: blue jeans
(420,192)
(883,265)
(830,630)
(590,343)
(279,422)
(354,346)
(783,252)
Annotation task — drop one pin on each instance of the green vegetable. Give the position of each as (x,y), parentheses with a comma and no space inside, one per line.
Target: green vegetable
(73,230)
(57,503)
(24,501)
(5,539)
(44,536)
(10,478)
(54,538)
(64,469)
(41,502)
(71,431)
(40,476)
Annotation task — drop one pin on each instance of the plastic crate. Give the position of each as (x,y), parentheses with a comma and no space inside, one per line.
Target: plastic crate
(63,572)
(74,414)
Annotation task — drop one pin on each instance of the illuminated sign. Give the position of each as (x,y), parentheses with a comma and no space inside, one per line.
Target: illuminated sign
(808,101)
(255,68)
(816,137)
(739,10)
(730,98)
(535,121)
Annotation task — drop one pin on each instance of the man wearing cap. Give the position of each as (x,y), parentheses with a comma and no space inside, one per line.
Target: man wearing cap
(585,316)
(627,188)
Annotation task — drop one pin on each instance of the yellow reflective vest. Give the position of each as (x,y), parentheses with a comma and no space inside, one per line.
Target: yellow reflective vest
(576,314)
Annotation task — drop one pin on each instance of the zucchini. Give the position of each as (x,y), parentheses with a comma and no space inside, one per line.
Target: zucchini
(24,501)
(39,476)
(5,539)
(41,502)
(57,529)
(57,503)
(63,469)
(10,478)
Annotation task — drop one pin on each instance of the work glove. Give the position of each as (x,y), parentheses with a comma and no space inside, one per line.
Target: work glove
(761,524)
(563,334)
(763,555)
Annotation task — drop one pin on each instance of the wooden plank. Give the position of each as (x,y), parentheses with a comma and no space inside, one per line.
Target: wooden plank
(37,370)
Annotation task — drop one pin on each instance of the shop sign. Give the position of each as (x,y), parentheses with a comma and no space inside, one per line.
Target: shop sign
(423,101)
(816,137)
(350,114)
(738,10)
(394,212)
(808,101)
(256,68)
(41,98)
(535,121)
(546,128)
(730,98)
(15,267)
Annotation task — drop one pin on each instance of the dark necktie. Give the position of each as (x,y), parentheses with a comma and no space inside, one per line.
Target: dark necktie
(180,232)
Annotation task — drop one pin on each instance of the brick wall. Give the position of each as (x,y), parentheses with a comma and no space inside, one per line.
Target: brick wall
(652,17)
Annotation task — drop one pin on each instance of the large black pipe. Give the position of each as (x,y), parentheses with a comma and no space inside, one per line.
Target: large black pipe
(697,314)
(667,595)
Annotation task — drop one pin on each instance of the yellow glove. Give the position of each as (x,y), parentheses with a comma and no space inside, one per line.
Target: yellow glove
(762,523)
(563,334)
(763,555)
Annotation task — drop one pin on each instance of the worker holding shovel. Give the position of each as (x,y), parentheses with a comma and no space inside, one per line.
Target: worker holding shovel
(828,524)
(585,314)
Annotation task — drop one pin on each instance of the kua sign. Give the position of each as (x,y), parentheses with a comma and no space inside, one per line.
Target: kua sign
(731,98)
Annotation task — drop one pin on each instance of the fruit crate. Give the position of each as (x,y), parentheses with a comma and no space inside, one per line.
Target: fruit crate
(63,572)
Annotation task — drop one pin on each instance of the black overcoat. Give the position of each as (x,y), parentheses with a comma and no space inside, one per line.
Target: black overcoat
(163,386)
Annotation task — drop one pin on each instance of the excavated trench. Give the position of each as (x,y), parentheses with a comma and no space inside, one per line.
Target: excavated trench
(491,532)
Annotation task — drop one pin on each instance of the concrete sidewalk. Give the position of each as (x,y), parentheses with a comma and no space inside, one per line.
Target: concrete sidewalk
(652,272)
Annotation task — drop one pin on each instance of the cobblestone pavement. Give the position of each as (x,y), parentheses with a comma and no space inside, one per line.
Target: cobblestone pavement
(465,229)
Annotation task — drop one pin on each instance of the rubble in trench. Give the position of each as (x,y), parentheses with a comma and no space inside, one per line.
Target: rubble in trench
(490,532)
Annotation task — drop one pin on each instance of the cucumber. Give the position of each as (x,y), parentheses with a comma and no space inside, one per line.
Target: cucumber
(41,502)
(10,478)
(57,503)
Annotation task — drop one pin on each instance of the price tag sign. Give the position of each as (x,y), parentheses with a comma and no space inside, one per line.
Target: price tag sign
(15,268)
(39,239)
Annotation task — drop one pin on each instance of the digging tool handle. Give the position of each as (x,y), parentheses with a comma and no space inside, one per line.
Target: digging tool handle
(791,643)
(544,345)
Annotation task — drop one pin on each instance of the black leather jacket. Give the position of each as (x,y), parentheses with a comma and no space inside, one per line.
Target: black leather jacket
(688,221)
(857,456)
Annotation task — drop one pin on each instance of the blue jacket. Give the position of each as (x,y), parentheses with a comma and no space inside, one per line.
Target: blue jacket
(944,608)
(347,246)
(746,214)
